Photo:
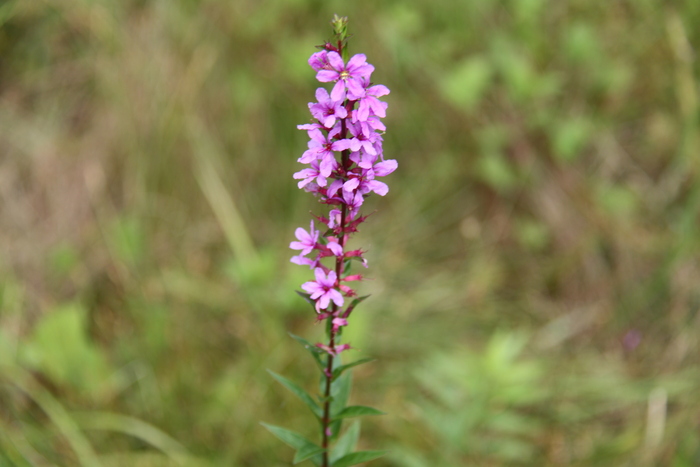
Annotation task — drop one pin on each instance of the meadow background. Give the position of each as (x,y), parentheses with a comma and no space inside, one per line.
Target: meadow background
(535,266)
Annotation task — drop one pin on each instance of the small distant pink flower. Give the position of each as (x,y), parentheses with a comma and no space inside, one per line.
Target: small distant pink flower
(335,351)
(323,289)
(338,322)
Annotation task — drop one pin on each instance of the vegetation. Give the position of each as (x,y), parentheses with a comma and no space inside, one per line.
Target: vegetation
(535,267)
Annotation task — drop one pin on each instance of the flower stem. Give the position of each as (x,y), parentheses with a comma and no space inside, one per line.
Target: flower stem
(328,374)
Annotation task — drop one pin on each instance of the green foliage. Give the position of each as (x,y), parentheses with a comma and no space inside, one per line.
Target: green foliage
(357,411)
(299,392)
(358,458)
(61,349)
(346,443)
(305,448)
(340,369)
(466,85)
(547,186)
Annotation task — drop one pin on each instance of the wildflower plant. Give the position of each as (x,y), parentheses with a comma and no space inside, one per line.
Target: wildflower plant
(344,161)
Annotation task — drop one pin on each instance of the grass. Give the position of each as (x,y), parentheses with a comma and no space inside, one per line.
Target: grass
(534,266)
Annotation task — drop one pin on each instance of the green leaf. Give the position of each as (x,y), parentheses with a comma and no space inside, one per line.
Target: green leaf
(570,138)
(346,444)
(307,298)
(468,82)
(61,348)
(358,300)
(358,458)
(357,411)
(313,350)
(305,448)
(300,393)
(340,392)
(354,303)
(339,371)
(307,451)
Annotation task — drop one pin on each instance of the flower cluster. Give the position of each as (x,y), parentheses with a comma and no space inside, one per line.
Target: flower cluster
(345,160)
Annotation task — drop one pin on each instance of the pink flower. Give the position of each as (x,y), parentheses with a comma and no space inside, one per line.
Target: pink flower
(309,175)
(327,109)
(319,61)
(369,104)
(323,289)
(347,78)
(307,240)
(321,148)
(335,351)
(338,322)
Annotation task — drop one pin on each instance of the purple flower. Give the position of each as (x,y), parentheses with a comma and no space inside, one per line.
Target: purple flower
(321,148)
(338,322)
(319,60)
(363,139)
(383,169)
(309,175)
(369,104)
(347,78)
(307,240)
(327,109)
(353,201)
(304,261)
(334,246)
(333,218)
(323,289)
(368,183)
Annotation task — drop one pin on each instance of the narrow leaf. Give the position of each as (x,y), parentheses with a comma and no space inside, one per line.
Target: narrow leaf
(358,458)
(353,304)
(292,438)
(357,411)
(335,426)
(307,451)
(346,444)
(299,392)
(308,300)
(340,391)
(338,371)
(313,350)
(358,300)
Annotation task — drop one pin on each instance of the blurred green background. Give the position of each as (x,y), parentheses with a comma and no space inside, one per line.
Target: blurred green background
(535,266)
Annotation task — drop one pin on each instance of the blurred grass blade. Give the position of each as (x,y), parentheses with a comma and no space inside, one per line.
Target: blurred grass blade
(59,417)
(136,428)
(6,12)
(217,195)
(15,448)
